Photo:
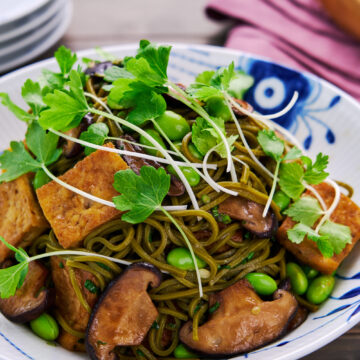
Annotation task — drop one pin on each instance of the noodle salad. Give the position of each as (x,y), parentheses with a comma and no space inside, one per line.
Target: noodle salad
(145,219)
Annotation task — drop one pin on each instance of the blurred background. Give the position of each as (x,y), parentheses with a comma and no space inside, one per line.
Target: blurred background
(319,36)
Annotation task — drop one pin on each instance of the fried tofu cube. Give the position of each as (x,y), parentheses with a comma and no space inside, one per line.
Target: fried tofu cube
(346,213)
(21,218)
(73,216)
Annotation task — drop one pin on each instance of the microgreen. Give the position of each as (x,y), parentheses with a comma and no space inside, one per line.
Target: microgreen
(95,134)
(273,147)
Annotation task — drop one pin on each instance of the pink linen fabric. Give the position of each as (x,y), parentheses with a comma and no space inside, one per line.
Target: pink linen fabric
(296,33)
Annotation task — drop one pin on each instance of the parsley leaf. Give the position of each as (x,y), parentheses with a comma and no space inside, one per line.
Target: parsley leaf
(13,277)
(315,173)
(156,56)
(299,231)
(66,108)
(271,144)
(222,77)
(205,77)
(203,92)
(141,194)
(338,235)
(65,58)
(205,137)
(145,103)
(42,144)
(95,134)
(16,162)
(105,54)
(240,84)
(305,210)
(115,72)
(292,154)
(324,247)
(16,110)
(291,177)
(32,94)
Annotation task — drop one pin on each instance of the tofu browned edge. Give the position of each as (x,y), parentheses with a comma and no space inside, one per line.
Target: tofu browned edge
(21,218)
(346,213)
(73,216)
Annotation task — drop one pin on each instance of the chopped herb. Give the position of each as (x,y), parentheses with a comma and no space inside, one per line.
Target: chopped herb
(155,325)
(89,285)
(140,353)
(172,325)
(247,235)
(99,343)
(105,267)
(81,341)
(224,267)
(197,308)
(248,258)
(224,218)
(215,211)
(61,265)
(214,307)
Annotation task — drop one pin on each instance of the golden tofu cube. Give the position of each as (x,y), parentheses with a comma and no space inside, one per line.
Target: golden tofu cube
(73,216)
(21,218)
(346,213)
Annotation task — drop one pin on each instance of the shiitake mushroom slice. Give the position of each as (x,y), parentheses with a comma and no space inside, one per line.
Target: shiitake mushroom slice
(32,299)
(242,321)
(124,313)
(250,214)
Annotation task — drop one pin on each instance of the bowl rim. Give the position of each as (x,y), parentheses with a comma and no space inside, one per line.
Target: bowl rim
(309,347)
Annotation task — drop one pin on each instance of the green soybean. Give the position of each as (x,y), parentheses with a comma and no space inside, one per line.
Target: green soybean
(191,175)
(310,272)
(45,327)
(320,289)
(181,352)
(298,279)
(156,136)
(195,152)
(181,258)
(173,125)
(216,106)
(281,200)
(263,284)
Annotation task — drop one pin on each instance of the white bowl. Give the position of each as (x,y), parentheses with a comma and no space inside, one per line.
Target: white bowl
(324,119)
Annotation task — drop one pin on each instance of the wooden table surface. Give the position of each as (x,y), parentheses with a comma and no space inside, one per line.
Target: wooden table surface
(112,22)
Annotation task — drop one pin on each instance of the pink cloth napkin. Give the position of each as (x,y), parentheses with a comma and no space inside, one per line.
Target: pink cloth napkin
(296,33)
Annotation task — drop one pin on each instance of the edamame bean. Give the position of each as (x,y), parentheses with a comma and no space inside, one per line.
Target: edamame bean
(310,272)
(191,175)
(181,258)
(298,279)
(217,107)
(320,289)
(156,136)
(194,151)
(173,125)
(281,200)
(263,284)
(45,327)
(181,352)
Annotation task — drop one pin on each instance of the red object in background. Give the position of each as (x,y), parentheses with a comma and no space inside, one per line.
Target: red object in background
(297,33)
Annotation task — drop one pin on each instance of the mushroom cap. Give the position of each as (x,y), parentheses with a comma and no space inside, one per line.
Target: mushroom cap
(242,322)
(250,213)
(124,313)
(32,299)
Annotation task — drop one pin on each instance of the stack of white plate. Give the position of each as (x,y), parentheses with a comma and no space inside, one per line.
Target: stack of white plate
(30,27)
